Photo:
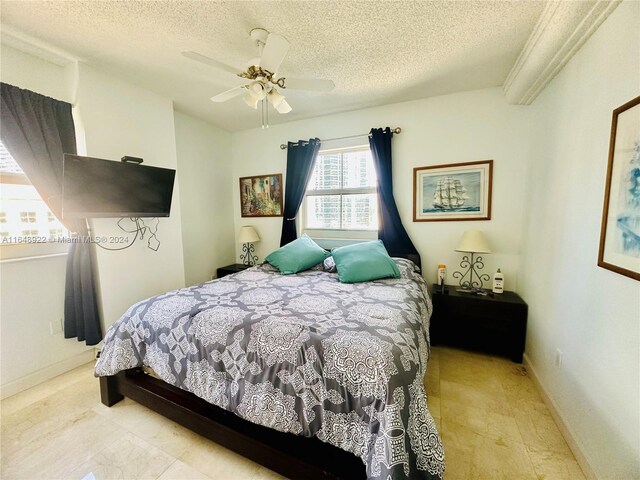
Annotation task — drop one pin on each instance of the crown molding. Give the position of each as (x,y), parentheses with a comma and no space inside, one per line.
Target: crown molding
(563,27)
(26,43)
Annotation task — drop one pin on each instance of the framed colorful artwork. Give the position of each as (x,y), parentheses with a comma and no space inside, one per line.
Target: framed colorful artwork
(458,191)
(261,196)
(620,230)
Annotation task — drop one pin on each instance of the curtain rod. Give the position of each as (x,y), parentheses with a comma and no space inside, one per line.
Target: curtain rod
(396,130)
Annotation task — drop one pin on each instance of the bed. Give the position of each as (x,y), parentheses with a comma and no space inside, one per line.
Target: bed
(308,376)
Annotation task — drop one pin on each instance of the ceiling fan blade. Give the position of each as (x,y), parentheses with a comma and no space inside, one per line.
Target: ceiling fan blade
(313,84)
(211,62)
(274,52)
(229,94)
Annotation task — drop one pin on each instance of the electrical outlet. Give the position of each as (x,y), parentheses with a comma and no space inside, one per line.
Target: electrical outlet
(559,356)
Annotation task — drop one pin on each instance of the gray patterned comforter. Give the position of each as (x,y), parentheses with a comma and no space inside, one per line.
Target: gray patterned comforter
(300,353)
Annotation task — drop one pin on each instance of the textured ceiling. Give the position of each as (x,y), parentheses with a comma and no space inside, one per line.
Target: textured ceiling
(376,52)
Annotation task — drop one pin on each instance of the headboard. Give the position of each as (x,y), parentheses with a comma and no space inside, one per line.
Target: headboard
(409,256)
(329,243)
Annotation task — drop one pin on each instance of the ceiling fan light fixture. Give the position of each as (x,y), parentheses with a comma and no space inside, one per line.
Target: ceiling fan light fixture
(257,90)
(283,106)
(251,100)
(275,98)
(261,74)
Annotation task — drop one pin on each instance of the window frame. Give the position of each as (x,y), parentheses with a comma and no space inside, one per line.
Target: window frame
(26,250)
(338,233)
(14,179)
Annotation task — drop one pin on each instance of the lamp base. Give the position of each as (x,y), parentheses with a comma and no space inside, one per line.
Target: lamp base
(472,268)
(248,258)
(466,290)
(472,291)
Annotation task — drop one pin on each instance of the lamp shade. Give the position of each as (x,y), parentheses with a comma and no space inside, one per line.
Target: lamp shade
(473,241)
(248,234)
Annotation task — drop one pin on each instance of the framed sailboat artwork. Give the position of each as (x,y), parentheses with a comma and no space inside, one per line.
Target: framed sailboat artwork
(457,191)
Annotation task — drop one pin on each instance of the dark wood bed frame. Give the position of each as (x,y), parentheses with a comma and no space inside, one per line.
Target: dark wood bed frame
(290,455)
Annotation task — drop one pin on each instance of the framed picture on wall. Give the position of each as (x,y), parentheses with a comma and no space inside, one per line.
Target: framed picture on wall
(261,196)
(458,191)
(620,230)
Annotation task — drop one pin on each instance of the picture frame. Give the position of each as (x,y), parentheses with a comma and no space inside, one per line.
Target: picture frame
(261,195)
(619,249)
(453,192)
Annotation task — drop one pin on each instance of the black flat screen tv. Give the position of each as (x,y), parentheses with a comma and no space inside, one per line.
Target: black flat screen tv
(96,188)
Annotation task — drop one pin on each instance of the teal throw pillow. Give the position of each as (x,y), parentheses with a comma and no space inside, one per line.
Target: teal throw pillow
(301,254)
(362,262)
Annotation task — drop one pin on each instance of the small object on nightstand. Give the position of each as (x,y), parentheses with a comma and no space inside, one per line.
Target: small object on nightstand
(442,276)
(229,269)
(498,282)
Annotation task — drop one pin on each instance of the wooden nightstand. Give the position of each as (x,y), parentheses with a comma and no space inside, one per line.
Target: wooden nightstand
(495,323)
(229,269)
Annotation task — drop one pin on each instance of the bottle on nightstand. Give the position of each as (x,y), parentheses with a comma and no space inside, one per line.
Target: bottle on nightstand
(442,276)
(498,282)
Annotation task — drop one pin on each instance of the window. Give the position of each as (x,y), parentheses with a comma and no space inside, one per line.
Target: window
(341,194)
(22,212)
(28,217)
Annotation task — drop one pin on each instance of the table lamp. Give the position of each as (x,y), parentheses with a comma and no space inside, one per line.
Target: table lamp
(248,236)
(472,241)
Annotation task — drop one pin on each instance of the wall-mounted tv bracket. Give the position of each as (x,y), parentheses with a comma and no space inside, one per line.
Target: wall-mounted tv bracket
(127,159)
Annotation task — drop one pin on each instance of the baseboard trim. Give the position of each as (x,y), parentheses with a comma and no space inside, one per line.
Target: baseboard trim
(566,431)
(47,373)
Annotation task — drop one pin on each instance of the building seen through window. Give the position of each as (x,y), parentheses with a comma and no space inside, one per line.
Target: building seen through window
(23,214)
(341,194)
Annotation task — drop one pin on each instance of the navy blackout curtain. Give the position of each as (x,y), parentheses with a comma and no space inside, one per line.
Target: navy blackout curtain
(301,157)
(390,229)
(37,130)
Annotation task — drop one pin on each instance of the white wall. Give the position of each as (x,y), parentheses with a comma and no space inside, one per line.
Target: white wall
(117,119)
(32,291)
(32,73)
(32,294)
(204,163)
(462,127)
(591,314)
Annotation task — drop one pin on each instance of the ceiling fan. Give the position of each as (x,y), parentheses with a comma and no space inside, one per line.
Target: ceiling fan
(262,73)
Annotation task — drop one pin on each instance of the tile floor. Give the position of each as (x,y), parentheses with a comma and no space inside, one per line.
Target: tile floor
(491,418)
